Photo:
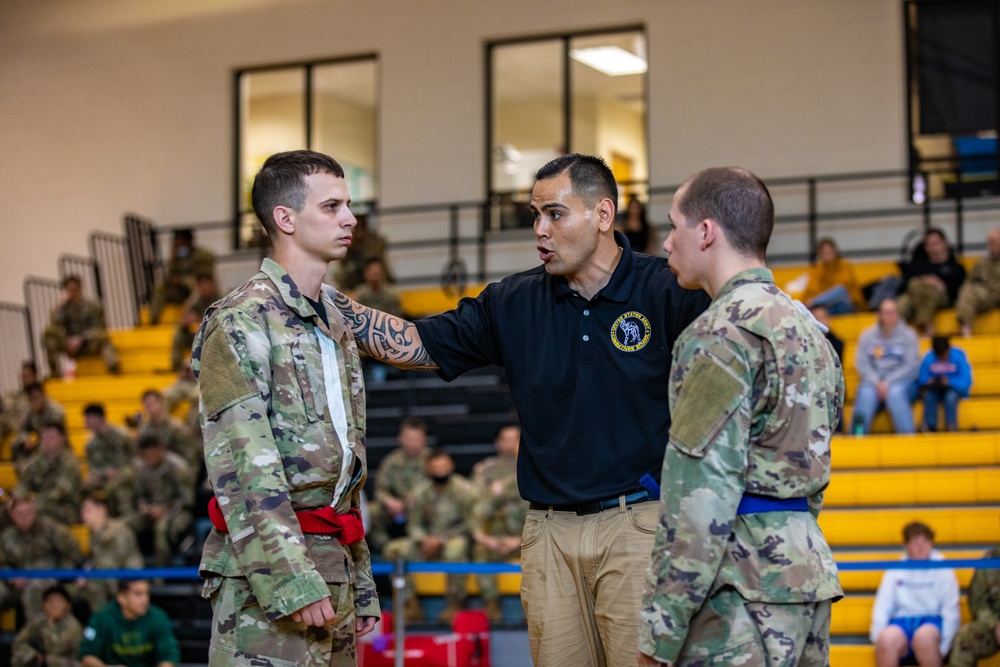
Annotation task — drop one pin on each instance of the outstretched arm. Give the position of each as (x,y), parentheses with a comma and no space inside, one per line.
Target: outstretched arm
(385,337)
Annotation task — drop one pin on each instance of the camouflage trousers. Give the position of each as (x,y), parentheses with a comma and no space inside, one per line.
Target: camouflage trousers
(243,637)
(180,348)
(729,630)
(920,302)
(166,533)
(55,345)
(973,299)
(488,588)
(973,642)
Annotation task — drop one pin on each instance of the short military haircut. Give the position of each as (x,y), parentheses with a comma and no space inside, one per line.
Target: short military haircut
(503,427)
(98,496)
(438,453)
(149,440)
(55,426)
(737,200)
(414,423)
(125,584)
(590,175)
(94,410)
(152,392)
(281,181)
(917,529)
(55,589)
(34,388)
(185,234)
(31,366)
(72,278)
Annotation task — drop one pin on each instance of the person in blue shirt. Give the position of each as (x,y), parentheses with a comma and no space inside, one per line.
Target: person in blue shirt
(945,377)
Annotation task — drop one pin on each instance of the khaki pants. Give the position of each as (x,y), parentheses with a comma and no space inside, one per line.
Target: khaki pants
(243,637)
(974,299)
(920,303)
(582,583)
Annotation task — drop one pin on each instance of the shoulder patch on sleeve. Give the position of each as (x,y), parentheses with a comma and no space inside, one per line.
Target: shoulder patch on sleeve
(222,381)
(713,393)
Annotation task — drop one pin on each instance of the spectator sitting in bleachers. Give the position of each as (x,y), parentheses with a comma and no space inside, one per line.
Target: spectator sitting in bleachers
(110,454)
(164,499)
(437,530)
(186,262)
(53,475)
(888,363)
(981,291)
(980,638)
(77,329)
(33,542)
(366,244)
(931,281)
(205,293)
(399,473)
(41,410)
(171,431)
(945,378)
(916,611)
(498,513)
(52,639)
(376,292)
(130,631)
(14,404)
(113,546)
(832,282)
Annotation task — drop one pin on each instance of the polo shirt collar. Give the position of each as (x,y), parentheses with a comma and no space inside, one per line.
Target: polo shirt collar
(760,275)
(298,303)
(619,286)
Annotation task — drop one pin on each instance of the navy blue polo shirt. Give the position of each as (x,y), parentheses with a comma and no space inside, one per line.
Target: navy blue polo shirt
(589,378)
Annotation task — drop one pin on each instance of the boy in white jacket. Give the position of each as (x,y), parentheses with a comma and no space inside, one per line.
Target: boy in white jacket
(916,611)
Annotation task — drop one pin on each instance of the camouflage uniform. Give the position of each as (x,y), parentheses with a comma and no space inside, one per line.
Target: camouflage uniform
(82,318)
(186,391)
(499,511)
(977,640)
(385,299)
(184,336)
(274,445)
(47,545)
(176,437)
(13,410)
(179,281)
(397,476)
(980,292)
(442,513)
(56,482)
(26,441)
(168,485)
(112,547)
(110,466)
(755,392)
(54,644)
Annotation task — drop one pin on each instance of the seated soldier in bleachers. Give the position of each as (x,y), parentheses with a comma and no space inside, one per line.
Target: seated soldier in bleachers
(164,498)
(110,456)
(498,513)
(205,293)
(916,611)
(980,638)
(113,546)
(399,473)
(186,261)
(53,638)
(52,474)
(170,430)
(437,530)
(33,542)
(366,243)
(77,329)
(14,404)
(376,292)
(945,378)
(931,281)
(832,283)
(887,359)
(981,291)
(130,631)
(41,410)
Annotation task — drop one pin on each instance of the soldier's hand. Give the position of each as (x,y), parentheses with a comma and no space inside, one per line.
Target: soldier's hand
(316,614)
(646,661)
(363,625)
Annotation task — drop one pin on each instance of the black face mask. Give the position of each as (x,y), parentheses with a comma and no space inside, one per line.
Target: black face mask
(442,480)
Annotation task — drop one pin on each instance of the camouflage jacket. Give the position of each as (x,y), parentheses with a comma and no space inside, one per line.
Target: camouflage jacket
(986,272)
(112,450)
(399,474)
(499,510)
(83,318)
(984,593)
(755,394)
(184,269)
(186,391)
(26,442)
(442,513)
(56,482)
(55,644)
(13,410)
(271,445)
(114,546)
(385,299)
(48,544)
(175,436)
(170,484)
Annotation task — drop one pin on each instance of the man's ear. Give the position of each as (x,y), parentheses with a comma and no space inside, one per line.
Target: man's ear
(605,214)
(709,229)
(284,219)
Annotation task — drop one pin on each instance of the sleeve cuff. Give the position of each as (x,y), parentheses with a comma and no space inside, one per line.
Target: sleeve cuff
(366,603)
(303,589)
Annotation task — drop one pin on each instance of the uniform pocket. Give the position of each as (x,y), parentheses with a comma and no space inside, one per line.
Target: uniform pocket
(534,526)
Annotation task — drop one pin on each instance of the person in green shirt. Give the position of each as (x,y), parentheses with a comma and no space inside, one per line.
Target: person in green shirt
(129,632)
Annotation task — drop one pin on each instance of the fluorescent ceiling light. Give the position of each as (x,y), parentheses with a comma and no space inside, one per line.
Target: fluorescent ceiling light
(611,60)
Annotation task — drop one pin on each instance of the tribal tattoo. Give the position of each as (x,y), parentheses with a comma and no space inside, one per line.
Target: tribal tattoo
(385,337)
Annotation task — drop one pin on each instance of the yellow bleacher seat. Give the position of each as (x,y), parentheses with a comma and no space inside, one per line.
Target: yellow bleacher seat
(878,527)
(909,487)
(905,451)
(853,615)
(863,655)
(434,583)
(430,301)
(868,580)
(980,413)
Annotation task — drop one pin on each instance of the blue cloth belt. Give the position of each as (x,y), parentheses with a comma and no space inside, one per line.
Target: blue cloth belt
(753,504)
(598,506)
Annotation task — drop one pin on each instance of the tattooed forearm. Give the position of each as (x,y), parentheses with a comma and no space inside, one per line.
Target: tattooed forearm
(385,337)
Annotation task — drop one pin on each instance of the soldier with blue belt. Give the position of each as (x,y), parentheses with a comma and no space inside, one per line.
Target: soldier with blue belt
(741,573)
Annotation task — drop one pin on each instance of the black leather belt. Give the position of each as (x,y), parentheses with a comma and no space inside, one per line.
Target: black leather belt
(597,506)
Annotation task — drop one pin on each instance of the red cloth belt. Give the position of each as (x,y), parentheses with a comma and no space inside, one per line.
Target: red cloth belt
(347,528)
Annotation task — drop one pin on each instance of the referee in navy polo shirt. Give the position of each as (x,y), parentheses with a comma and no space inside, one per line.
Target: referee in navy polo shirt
(586,341)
